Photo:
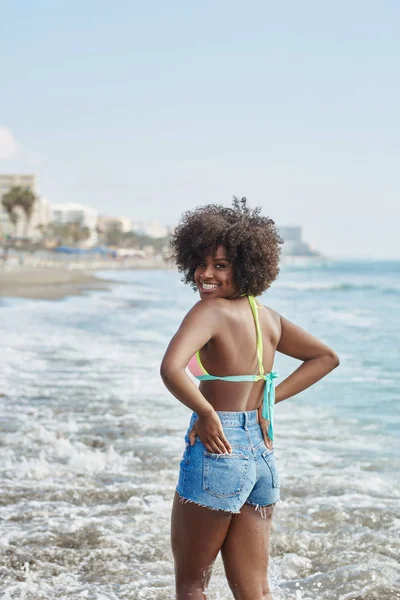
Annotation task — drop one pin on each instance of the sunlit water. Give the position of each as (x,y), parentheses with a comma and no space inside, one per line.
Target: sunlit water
(91,442)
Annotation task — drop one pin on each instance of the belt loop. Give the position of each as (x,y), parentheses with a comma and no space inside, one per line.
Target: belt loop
(246,418)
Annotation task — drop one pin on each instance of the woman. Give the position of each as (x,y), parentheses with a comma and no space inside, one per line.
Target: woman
(228,482)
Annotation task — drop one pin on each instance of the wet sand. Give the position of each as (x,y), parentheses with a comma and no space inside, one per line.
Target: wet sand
(48,284)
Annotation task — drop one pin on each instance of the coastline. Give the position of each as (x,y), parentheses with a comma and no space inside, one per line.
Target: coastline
(56,280)
(47,284)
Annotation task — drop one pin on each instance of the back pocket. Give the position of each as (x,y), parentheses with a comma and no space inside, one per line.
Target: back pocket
(269,458)
(224,474)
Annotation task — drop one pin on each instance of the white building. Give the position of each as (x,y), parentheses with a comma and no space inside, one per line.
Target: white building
(40,215)
(24,181)
(123,224)
(153,229)
(85,216)
(74,213)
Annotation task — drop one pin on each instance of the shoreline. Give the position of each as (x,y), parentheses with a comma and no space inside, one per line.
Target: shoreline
(48,284)
(49,281)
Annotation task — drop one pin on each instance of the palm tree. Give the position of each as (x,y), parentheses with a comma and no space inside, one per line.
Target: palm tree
(20,197)
(10,203)
(78,233)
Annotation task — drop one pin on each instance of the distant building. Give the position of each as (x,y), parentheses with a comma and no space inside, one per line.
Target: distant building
(154,229)
(85,216)
(293,243)
(9,181)
(291,234)
(40,215)
(74,213)
(123,224)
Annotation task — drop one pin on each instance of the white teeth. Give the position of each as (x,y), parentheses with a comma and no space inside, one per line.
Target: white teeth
(209,286)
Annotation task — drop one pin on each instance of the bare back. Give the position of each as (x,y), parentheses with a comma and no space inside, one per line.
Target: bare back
(233,351)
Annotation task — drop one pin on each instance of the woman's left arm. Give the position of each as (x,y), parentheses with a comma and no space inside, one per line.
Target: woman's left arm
(318,359)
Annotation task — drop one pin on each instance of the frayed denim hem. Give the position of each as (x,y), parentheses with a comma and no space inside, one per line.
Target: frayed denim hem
(183,500)
(262,509)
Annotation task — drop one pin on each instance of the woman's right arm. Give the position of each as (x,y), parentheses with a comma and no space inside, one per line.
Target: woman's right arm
(197,328)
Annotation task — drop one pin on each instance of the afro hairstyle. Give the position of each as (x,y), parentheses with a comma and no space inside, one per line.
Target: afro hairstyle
(251,241)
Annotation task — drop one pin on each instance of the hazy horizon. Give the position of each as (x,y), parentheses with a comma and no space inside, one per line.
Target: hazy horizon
(148,110)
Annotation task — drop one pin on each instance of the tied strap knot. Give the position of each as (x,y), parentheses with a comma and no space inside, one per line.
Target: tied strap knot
(269,400)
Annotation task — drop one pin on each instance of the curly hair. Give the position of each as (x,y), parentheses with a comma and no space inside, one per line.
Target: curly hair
(252,243)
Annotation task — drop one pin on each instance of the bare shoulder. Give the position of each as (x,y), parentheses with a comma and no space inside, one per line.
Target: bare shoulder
(273,315)
(207,309)
(272,323)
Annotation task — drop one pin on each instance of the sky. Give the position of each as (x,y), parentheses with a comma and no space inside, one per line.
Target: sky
(148,109)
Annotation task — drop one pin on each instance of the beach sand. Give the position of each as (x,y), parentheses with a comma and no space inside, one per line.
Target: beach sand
(47,284)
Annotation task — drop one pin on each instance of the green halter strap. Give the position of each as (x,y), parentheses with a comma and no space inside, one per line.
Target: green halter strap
(254,309)
(269,390)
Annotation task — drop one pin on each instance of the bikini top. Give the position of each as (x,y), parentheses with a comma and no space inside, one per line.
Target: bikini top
(196,368)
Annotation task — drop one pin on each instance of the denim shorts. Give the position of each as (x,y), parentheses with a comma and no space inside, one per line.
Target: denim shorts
(228,481)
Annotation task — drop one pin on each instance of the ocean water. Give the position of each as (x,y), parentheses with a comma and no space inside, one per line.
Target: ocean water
(91,441)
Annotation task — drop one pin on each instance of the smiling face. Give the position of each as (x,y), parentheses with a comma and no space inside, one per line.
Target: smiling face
(214,276)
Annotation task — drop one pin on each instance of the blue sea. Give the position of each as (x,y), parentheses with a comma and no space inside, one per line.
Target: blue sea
(91,441)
